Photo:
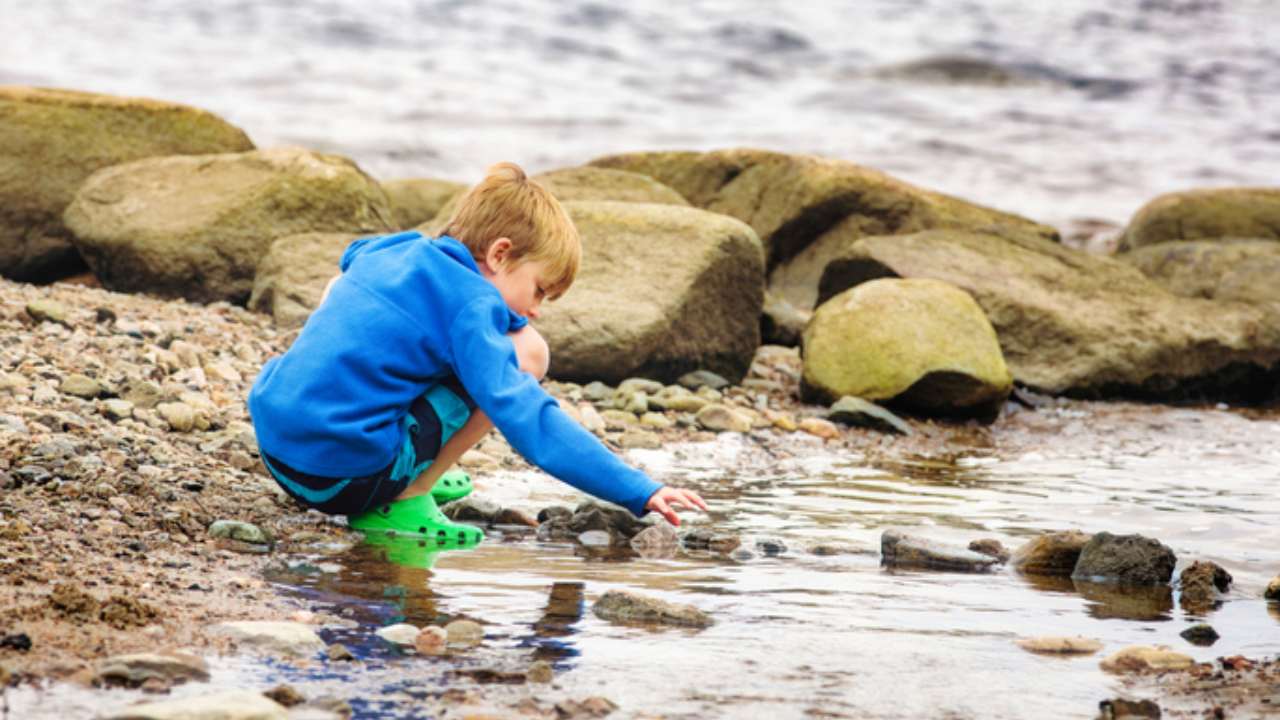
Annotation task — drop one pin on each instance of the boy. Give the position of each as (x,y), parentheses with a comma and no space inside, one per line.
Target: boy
(417,349)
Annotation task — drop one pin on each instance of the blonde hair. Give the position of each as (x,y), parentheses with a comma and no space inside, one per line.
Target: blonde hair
(507,204)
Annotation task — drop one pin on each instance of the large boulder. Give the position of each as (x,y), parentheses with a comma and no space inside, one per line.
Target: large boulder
(293,274)
(196,227)
(595,183)
(1074,323)
(1205,215)
(418,200)
(1239,270)
(51,140)
(921,344)
(663,290)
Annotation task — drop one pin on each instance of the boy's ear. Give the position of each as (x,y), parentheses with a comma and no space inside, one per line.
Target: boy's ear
(499,251)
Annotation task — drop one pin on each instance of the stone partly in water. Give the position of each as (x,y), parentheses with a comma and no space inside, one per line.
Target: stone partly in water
(51,140)
(431,640)
(1273,589)
(1124,559)
(1054,554)
(1239,270)
(899,550)
(196,227)
(628,608)
(920,343)
(1205,214)
(659,541)
(862,413)
(1073,323)
(400,633)
(1052,645)
(702,279)
(1202,635)
(1200,585)
(293,274)
(226,705)
(136,669)
(287,638)
(1145,658)
(464,633)
(991,548)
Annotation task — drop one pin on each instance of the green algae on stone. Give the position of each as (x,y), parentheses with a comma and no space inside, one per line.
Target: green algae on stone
(52,140)
(922,343)
(595,183)
(417,200)
(1234,270)
(1205,214)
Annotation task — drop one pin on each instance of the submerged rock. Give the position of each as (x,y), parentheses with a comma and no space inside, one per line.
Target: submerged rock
(908,551)
(1145,658)
(631,608)
(1054,554)
(1051,645)
(1124,559)
(1200,584)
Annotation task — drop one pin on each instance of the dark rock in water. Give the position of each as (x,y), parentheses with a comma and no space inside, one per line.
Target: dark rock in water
(1126,602)
(771,547)
(617,521)
(1054,554)
(1202,635)
(704,539)
(514,516)
(1200,583)
(554,512)
(906,551)
(1125,559)
(742,554)
(631,608)
(856,411)
(286,695)
(1121,709)
(555,529)
(991,548)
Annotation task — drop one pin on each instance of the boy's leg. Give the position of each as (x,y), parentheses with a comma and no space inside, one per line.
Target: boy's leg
(534,357)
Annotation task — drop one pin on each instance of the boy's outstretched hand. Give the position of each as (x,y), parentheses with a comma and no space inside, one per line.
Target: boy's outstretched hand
(667,499)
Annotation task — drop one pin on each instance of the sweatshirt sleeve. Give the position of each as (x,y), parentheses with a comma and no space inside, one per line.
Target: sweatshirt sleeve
(532,421)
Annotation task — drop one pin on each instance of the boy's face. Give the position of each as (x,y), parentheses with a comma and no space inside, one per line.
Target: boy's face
(521,284)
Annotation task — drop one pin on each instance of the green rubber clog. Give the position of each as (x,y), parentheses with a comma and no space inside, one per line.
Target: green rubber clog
(419,517)
(453,484)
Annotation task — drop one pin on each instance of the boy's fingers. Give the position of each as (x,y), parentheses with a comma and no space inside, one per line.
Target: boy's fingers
(661,506)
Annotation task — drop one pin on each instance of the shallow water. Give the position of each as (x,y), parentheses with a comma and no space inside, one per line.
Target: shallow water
(1106,103)
(837,636)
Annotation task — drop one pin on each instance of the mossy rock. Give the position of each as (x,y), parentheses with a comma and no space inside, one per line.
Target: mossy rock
(1205,214)
(663,290)
(920,344)
(418,200)
(585,184)
(196,227)
(1074,323)
(1236,270)
(51,140)
(293,274)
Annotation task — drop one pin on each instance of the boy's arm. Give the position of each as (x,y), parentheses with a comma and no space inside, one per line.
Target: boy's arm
(532,421)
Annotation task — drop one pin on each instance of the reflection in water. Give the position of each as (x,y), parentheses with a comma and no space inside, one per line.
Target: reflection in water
(563,611)
(1126,602)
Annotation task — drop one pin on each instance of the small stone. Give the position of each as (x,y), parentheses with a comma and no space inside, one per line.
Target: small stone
(222,371)
(592,707)
(785,422)
(141,393)
(630,401)
(515,516)
(44,310)
(636,438)
(824,429)
(338,652)
(901,550)
(771,547)
(225,705)
(1202,635)
(591,418)
(540,672)
(852,410)
(702,378)
(657,541)
(81,386)
(237,530)
(632,608)
(400,634)
(596,391)
(431,640)
(188,354)
(644,385)
(554,512)
(722,418)
(1273,589)
(117,409)
(595,538)
(991,548)
(1052,645)
(464,633)
(286,695)
(618,419)
(1144,658)
(180,416)
(17,641)
(1200,583)
(1125,559)
(678,399)
(656,420)
(1054,554)
(473,508)
(287,638)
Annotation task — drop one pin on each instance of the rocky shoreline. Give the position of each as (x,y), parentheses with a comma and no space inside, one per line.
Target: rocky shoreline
(128,467)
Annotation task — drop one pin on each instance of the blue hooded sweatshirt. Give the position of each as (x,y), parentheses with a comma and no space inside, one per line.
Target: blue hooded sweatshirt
(406,313)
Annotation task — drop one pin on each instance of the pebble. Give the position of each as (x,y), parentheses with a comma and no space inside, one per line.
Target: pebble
(621,606)
(818,427)
(702,378)
(540,672)
(852,410)
(656,420)
(677,399)
(135,669)
(287,638)
(238,530)
(642,439)
(991,548)
(644,385)
(1053,554)
(338,652)
(722,418)
(117,409)
(771,547)
(1145,658)
(1201,634)
(81,386)
(596,391)
(400,634)
(1200,584)
(225,705)
(1273,589)
(44,310)
(1053,645)
(180,416)
(658,541)
(464,633)
(431,640)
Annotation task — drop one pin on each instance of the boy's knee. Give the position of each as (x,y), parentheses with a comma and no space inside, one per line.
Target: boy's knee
(532,352)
